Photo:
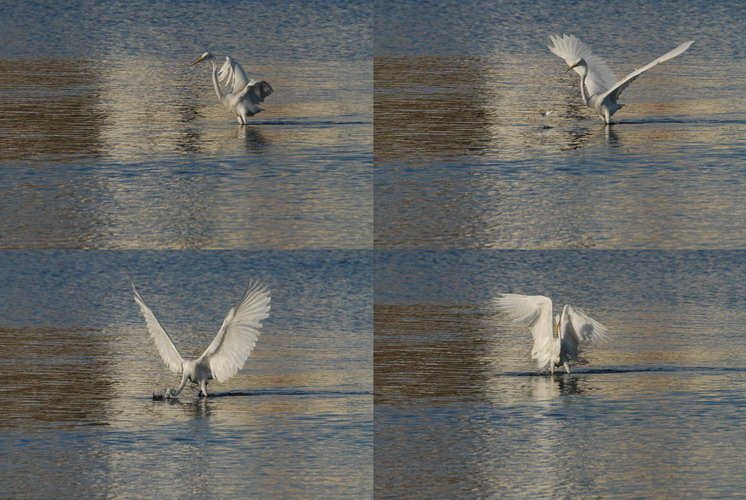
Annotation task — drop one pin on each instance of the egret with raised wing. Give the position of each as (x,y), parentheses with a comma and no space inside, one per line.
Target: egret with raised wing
(234,90)
(229,349)
(599,87)
(554,344)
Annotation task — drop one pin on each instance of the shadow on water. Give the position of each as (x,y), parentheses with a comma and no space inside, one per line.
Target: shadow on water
(273,392)
(681,120)
(289,393)
(632,369)
(320,124)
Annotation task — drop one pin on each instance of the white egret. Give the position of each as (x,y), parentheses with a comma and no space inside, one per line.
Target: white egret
(554,345)
(229,349)
(599,87)
(234,90)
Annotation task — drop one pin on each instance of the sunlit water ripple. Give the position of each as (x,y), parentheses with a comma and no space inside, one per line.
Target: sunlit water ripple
(79,371)
(658,411)
(464,159)
(115,141)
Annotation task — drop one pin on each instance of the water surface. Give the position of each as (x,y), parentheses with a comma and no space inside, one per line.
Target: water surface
(464,158)
(658,411)
(109,138)
(79,371)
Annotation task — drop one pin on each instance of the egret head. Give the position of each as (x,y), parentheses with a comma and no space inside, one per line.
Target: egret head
(204,56)
(580,63)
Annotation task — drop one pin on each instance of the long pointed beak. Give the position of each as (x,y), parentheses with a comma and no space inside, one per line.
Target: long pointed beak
(199,60)
(568,69)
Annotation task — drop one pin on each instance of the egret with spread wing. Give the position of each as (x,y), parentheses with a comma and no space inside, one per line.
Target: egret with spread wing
(229,349)
(554,344)
(234,90)
(599,87)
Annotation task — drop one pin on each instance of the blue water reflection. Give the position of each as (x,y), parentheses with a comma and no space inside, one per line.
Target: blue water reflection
(80,370)
(111,139)
(656,411)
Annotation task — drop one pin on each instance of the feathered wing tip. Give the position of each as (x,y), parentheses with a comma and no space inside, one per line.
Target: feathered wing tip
(675,52)
(225,73)
(262,89)
(598,332)
(534,311)
(232,75)
(255,301)
(586,328)
(257,91)
(614,91)
(525,309)
(237,337)
(163,342)
(570,48)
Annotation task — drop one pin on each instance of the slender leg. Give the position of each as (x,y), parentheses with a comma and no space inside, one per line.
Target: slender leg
(203,387)
(567,367)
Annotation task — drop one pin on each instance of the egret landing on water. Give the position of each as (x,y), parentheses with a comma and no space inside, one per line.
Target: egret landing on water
(554,345)
(599,87)
(229,349)
(234,90)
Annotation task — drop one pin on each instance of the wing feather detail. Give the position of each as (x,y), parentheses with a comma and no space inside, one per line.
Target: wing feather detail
(600,76)
(256,91)
(232,75)
(618,87)
(534,311)
(576,327)
(163,342)
(237,337)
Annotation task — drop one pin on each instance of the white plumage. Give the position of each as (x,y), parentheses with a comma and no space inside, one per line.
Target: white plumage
(234,89)
(554,343)
(599,86)
(228,351)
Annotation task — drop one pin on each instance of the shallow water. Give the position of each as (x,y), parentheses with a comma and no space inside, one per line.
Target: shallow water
(464,158)
(109,138)
(79,371)
(658,411)
(112,143)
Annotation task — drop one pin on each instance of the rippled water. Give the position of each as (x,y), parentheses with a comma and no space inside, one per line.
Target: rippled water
(658,411)
(118,164)
(464,158)
(109,138)
(79,370)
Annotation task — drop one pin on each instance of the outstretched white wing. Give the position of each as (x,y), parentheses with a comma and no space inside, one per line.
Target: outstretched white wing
(255,91)
(163,342)
(237,337)
(233,76)
(534,311)
(600,77)
(618,87)
(576,326)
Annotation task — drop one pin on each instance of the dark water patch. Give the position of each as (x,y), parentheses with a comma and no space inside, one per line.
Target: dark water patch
(683,120)
(603,371)
(319,124)
(268,392)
